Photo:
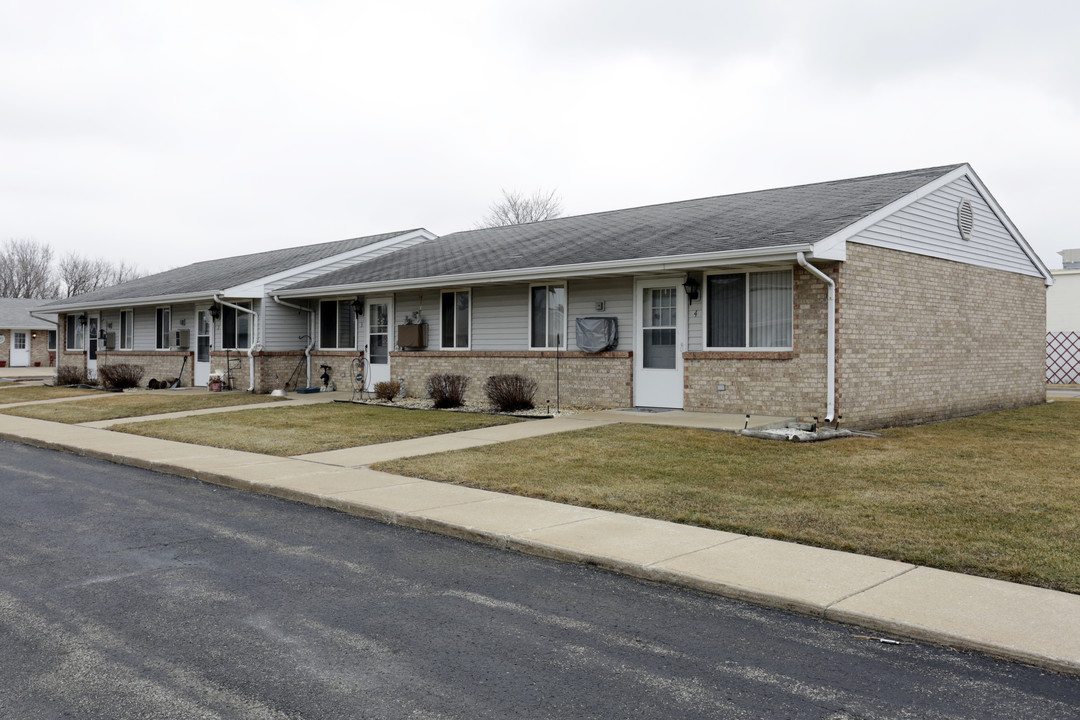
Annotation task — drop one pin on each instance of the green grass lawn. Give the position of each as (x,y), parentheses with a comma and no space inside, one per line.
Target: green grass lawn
(310,428)
(110,406)
(995,495)
(29,393)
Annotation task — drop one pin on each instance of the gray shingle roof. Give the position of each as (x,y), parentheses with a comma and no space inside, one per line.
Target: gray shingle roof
(212,276)
(15,315)
(752,220)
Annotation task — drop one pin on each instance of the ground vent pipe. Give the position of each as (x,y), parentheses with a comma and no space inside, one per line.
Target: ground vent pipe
(311,331)
(254,338)
(830,361)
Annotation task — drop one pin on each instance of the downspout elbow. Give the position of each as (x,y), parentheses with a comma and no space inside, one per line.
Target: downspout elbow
(311,333)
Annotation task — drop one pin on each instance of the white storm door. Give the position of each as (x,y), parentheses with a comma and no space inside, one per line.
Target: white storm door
(20,349)
(203,334)
(380,312)
(659,342)
(91,345)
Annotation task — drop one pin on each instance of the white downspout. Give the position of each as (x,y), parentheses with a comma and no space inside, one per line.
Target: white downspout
(254,338)
(311,332)
(830,372)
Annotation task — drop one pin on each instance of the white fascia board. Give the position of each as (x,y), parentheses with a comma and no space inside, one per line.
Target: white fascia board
(1017,236)
(131,302)
(620,267)
(834,247)
(257,288)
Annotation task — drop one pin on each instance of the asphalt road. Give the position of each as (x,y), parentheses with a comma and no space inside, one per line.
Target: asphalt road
(128,594)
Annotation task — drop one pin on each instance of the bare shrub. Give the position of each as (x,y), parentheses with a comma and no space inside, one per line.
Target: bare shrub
(387,390)
(510,393)
(71,375)
(448,391)
(120,376)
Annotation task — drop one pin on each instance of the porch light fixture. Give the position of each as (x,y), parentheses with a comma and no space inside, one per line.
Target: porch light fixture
(358,306)
(82,319)
(215,311)
(692,288)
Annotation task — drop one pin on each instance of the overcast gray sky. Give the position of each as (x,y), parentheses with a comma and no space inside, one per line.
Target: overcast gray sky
(169,132)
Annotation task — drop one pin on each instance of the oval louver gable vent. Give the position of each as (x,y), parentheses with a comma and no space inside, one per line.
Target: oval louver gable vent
(965,219)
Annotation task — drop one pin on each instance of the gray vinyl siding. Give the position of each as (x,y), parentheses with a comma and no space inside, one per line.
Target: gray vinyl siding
(929,227)
(618,297)
(145,328)
(284,325)
(500,317)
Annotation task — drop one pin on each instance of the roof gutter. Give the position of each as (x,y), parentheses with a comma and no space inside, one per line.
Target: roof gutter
(254,339)
(619,267)
(830,352)
(311,331)
(129,302)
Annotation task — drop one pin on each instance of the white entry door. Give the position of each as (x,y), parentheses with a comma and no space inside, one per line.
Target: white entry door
(203,334)
(20,349)
(92,321)
(659,342)
(380,330)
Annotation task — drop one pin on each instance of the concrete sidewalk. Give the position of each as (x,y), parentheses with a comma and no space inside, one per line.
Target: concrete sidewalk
(1017,622)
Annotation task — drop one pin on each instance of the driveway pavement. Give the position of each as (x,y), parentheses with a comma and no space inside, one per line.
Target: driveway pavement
(1017,622)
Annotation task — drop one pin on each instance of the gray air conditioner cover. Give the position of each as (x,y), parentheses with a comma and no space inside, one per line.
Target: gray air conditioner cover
(596,334)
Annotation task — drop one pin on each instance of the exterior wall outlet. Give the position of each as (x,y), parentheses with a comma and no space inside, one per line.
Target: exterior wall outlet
(600,305)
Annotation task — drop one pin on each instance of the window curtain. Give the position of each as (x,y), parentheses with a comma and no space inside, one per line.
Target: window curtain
(770,309)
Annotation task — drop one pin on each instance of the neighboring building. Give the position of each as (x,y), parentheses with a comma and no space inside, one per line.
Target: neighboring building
(215,316)
(1063,322)
(26,340)
(890,299)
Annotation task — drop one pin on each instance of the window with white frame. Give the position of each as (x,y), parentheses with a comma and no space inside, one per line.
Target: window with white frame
(52,340)
(127,329)
(164,328)
(75,333)
(547,316)
(337,325)
(236,327)
(455,319)
(749,310)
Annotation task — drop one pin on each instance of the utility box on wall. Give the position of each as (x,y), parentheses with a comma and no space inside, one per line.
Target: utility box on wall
(412,336)
(183,339)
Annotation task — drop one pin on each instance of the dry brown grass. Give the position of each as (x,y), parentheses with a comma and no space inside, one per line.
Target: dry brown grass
(32,393)
(311,428)
(110,406)
(995,495)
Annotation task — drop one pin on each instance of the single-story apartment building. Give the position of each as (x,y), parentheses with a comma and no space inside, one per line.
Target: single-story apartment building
(26,339)
(1063,322)
(889,299)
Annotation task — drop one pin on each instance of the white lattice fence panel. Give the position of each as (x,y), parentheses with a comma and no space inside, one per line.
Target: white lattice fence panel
(1063,358)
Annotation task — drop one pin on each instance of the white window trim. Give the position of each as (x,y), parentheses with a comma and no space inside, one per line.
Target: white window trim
(78,333)
(352,316)
(746,312)
(468,345)
(120,329)
(157,328)
(566,314)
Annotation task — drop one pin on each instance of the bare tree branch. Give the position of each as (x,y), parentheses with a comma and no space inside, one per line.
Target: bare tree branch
(26,270)
(82,274)
(516,208)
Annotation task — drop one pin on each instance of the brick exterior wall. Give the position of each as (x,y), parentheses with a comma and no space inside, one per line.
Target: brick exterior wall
(922,339)
(271,367)
(40,355)
(769,383)
(584,380)
(156,364)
